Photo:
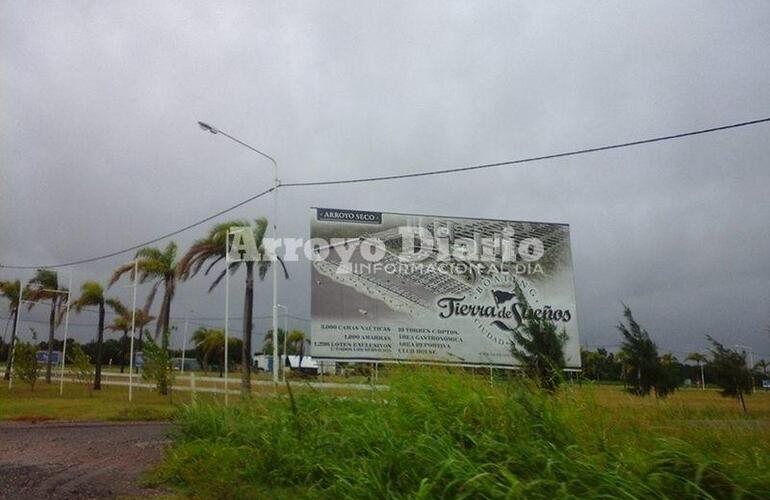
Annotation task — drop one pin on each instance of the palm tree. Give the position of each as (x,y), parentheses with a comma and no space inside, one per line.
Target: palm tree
(160,267)
(267,343)
(700,359)
(10,290)
(297,339)
(211,250)
(45,286)
(210,343)
(92,294)
(122,323)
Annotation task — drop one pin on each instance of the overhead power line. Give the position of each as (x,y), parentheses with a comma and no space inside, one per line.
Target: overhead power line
(403,176)
(530,159)
(148,242)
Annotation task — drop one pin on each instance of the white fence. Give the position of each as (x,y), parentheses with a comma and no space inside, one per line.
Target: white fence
(193,381)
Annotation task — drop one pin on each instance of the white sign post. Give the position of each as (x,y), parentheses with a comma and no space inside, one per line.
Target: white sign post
(66,331)
(15,334)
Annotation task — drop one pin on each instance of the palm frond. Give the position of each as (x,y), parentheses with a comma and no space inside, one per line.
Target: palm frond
(120,271)
(117,306)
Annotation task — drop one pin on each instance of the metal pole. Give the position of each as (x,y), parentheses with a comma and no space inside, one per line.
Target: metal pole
(227,307)
(15,334)
(285,341)
(214,130)
(133,334)
(275,271)
(702,378)
(66,331)
(184,342)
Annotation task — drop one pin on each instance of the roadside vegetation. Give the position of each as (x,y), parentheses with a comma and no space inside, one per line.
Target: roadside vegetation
(80,403)
(449,433)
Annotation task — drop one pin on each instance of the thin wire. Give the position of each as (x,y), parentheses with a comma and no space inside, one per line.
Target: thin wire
(402,176)
(146,243)
(530,159)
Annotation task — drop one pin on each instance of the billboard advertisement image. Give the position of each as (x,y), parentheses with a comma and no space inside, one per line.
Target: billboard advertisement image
(393,287)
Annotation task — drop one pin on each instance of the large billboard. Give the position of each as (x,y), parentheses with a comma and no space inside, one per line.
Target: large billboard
(391,287)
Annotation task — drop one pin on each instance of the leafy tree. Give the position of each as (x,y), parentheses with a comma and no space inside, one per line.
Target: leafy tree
(699,359)
(45,286)
(160,267)
(729,371)
(600,365)
(80,366)
(539,347)
(157,364)
(111,351)
(643,369)
(10,290)
(670,375)
(762,366)
(212,250)
(26,367)
(92,294)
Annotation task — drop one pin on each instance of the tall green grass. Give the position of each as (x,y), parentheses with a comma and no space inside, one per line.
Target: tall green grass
(437,434)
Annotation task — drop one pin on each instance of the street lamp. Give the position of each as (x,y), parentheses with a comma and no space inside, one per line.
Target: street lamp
(276,183)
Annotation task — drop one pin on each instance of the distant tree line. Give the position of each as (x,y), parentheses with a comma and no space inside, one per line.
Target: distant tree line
(538,346)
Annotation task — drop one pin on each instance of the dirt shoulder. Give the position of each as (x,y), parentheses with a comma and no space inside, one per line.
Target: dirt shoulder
(81,460)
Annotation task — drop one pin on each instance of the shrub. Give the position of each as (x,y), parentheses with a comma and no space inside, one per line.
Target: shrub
(81,368)
(731,372)
(157,364)
(25,365)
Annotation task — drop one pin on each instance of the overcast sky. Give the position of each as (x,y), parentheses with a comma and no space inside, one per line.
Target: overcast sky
(100,149)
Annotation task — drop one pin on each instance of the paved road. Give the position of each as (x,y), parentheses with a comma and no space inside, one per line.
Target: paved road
(78,460)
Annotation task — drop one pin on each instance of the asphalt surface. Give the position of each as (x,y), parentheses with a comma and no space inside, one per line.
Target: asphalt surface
(87,460)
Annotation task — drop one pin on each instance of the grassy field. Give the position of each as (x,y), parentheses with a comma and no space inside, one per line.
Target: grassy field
(111,403)
(440,433)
